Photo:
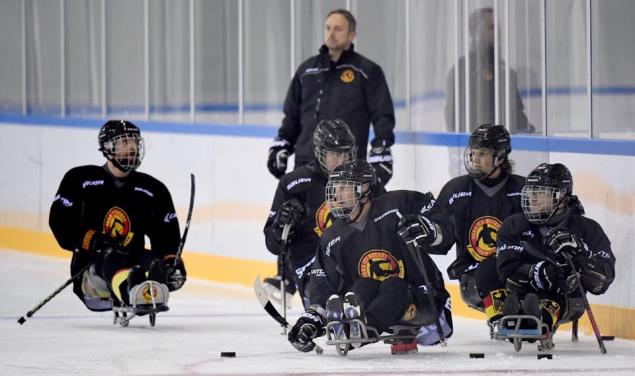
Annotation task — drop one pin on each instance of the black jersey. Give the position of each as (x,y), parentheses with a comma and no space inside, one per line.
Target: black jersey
(306,184)
(476,213)
(90,198)
(370,249)
(513,261)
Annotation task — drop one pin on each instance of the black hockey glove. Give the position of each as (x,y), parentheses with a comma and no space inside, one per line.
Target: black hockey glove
(562,241)
(278,154)
(290,213)
(98,243)
(309,326)
(380,158)
(545,276)
(176,275)
(416,229)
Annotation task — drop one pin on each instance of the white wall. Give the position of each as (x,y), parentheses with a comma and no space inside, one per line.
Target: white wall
(234,189)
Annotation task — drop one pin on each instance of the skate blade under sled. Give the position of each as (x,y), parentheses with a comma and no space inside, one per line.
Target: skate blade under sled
(359,334)
(510,328)
(146,298)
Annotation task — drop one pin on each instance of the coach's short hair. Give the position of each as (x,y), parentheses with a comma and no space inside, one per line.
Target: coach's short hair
(352,23)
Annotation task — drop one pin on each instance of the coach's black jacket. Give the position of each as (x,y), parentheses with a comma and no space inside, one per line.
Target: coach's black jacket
(352,89)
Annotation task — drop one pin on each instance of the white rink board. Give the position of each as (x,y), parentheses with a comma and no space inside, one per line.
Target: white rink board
(234,188)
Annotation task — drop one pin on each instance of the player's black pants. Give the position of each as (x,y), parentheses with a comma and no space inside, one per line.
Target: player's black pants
(479,283)
(110,263)
(384,302)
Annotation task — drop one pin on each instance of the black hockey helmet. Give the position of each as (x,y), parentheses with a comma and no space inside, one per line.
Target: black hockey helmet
(348,184)
(547,186)
(333,136)
(120,141)
(491,138)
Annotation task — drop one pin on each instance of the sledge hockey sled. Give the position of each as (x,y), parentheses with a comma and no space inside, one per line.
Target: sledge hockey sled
(339,336)
(148,298)
(510,328)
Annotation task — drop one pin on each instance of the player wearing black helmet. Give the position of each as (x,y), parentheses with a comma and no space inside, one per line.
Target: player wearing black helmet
(363,267)
(103,213)
(299,202)
(533,247)
(477,204)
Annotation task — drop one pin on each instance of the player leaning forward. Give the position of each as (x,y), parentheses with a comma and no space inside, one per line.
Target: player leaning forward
(103,213)
(365,270)
(544,250)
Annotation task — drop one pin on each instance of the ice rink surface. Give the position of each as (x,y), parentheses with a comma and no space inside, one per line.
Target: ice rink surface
(205,319)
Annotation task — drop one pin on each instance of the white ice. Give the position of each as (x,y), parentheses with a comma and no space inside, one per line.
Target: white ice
(205,319)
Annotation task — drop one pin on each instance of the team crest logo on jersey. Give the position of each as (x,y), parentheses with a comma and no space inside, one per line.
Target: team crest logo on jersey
(323,219)
(117,225)
(149,292)
(347,76)
(379,265)
(483,234)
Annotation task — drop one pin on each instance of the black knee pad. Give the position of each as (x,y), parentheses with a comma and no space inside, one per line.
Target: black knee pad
(394,285)
(469,291)
(366,289)
(573,309)
(136,275)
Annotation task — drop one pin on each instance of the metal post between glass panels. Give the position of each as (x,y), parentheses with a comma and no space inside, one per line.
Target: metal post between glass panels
(104,84)
(589,65)
(146,60)
(496,65)
(23,43)
(62,60)
(192,61)
(508,98)
(457,52)
(543,62)
(241,70)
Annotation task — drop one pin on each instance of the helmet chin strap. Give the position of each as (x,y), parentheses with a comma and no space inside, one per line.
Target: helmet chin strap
(361,209)
(118,166)
(496,167)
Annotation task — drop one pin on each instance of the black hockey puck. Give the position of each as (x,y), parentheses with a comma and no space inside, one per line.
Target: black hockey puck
(608,338)
(544,356)
(477,355)
(228,354)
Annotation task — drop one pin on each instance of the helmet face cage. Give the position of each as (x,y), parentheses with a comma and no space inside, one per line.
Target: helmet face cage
(125,150)
(331,158)
(474,169)
(493,139)
(342,196)
(540,202)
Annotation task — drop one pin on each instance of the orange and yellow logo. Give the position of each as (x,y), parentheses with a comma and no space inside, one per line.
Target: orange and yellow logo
(323,219)
(347,76)
(117,225)
(483,234)
(149,293)
(379,265)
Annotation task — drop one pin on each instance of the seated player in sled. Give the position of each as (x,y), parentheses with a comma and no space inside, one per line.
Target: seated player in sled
(299,202)
(477,204)
(103,213)
(541,250)
(365,275)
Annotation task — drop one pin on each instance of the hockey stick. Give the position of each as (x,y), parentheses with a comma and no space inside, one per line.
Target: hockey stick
(596,330)
(416,250)
(188,221)
(261,294)
(22,319)
(283,271)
